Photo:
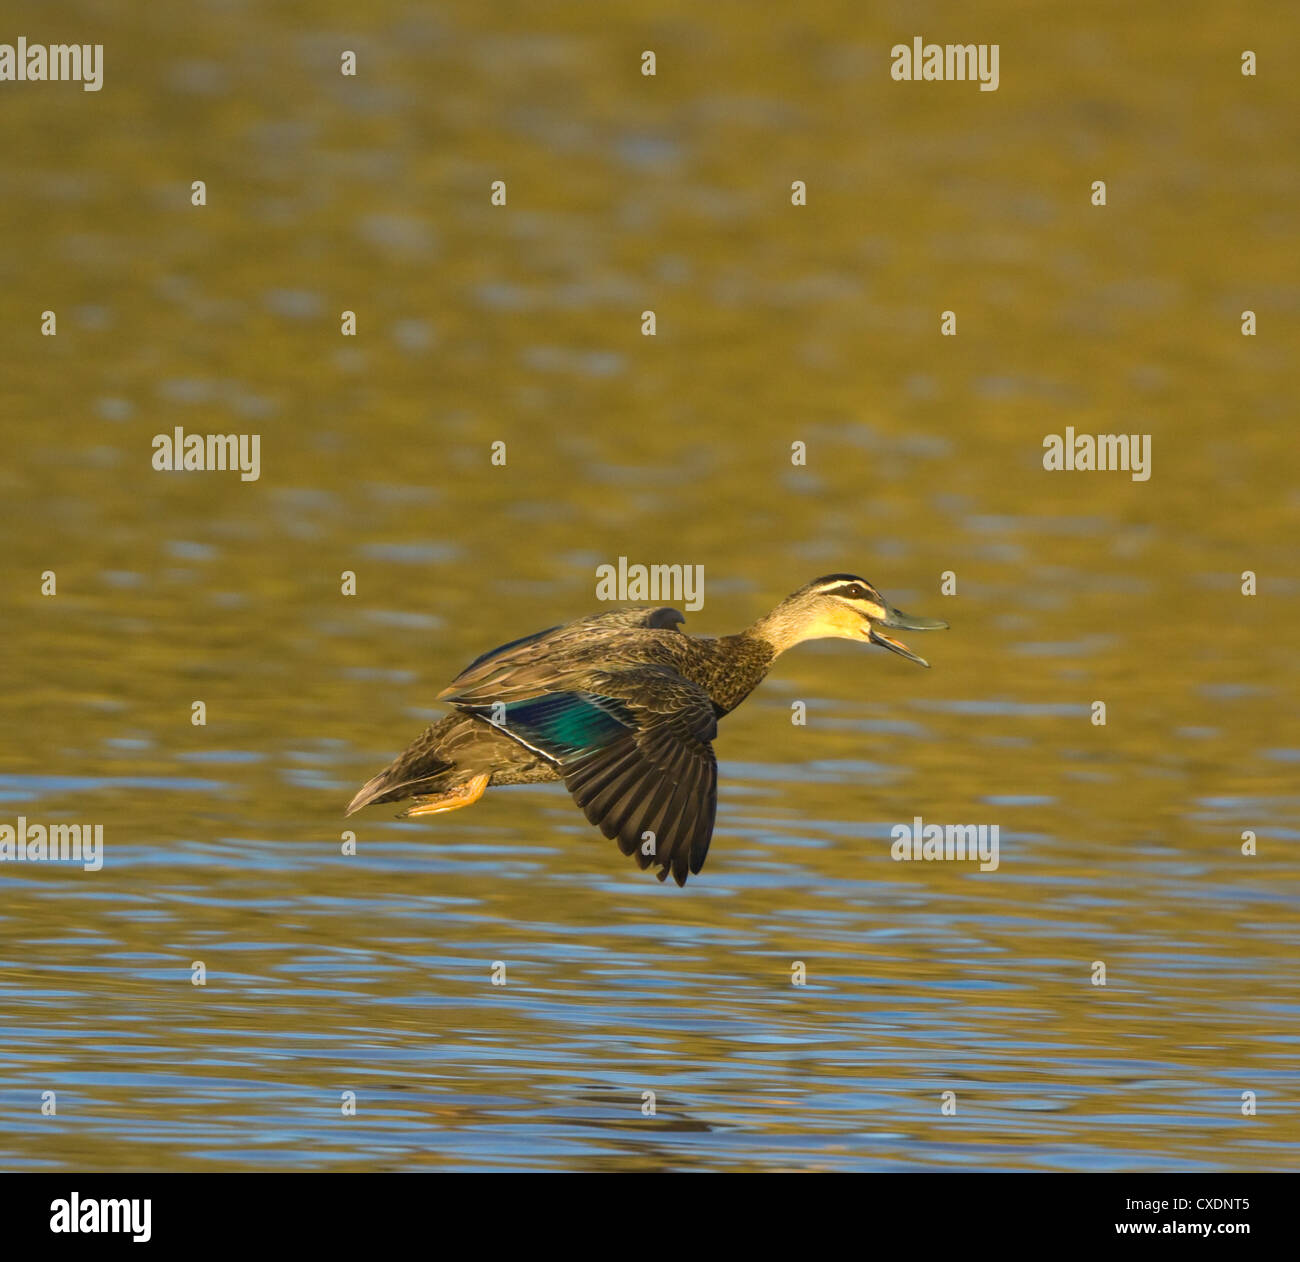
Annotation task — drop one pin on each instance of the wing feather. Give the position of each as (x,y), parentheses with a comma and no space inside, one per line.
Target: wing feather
(633,746)
(528,663)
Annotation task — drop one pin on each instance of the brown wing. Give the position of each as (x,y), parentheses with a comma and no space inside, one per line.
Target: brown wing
(525,666)
(633,748)
(654,787)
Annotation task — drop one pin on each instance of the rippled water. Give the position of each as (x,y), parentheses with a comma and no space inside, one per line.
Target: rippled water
(372,974)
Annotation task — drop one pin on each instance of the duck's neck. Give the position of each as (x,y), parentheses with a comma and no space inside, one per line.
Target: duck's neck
(781,629)
(733,666)
(736,664)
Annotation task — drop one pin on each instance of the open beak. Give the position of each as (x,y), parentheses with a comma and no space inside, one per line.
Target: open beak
(903,622)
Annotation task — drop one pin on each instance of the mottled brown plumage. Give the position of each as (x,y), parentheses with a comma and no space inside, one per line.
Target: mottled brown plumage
(623,707)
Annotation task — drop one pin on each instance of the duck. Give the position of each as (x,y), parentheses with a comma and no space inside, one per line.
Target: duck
(623,707)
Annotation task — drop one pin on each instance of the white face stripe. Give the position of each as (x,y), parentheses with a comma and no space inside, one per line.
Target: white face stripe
(841,586)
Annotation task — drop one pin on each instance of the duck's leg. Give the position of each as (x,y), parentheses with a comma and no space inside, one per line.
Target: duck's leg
(462,795)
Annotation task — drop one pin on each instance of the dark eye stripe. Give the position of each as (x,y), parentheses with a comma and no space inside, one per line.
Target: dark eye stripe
(854,591)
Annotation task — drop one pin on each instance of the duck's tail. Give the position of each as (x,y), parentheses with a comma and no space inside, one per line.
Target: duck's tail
(422,768)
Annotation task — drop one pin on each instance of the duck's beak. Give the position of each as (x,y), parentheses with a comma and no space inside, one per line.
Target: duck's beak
(904,622)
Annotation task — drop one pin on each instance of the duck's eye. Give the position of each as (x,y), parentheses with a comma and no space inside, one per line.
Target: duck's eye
(856,593)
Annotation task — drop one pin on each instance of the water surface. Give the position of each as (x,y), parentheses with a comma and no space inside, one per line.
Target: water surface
(371,974)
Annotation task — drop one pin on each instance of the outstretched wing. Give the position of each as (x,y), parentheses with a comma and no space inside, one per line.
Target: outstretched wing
(634,749)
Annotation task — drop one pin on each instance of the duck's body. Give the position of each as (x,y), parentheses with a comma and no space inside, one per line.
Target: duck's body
(622,707)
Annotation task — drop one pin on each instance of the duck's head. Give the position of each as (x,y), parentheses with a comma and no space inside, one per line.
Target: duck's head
(846,607)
